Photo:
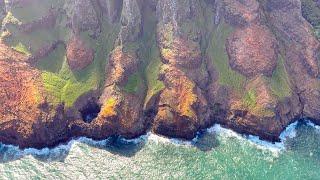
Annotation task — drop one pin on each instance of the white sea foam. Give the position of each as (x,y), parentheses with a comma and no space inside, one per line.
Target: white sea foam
(275,148)
(317,127)
(289,132)
(14,152)
(160,139)
(137,140)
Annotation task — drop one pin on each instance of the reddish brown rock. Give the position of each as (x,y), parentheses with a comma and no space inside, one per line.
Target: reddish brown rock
(181,52)
(302,49)
(241,12)
(259,111)
(24,114)
(7,53)
(79,55)
(253,50)
(121,112)
(183,110)
(296,32)
(186,103)
(120,66)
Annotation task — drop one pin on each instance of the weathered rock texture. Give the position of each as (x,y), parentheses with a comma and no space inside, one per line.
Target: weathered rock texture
(101,68)
(78,54)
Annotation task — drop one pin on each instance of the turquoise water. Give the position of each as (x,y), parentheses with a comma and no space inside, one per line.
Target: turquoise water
(217,154)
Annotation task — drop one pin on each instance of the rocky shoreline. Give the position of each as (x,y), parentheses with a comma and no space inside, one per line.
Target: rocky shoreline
(106,68)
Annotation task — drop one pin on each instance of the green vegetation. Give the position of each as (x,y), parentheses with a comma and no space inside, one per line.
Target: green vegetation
(40,37)
(147,50)
(151,54)
(250,99)
(133,83)
(35,39)
(53,62)
(66,86)
(152,72)
(109,108)
(60,82)
(218,54)
(22,48)
(35,10)
(311,12)
(10,19)
(280,84)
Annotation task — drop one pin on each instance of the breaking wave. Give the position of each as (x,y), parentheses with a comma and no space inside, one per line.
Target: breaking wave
(10,153)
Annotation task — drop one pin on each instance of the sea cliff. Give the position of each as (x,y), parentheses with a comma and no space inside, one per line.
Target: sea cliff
(101,68)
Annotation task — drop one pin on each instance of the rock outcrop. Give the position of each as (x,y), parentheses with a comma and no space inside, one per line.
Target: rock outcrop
(302,48)
(26,119)
(79,55)
(105,68)
(183,108)
(82,15)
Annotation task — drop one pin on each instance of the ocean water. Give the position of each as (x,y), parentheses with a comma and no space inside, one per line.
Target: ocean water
(217,153)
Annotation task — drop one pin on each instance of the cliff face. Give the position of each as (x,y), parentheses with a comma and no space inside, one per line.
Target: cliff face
(108,67)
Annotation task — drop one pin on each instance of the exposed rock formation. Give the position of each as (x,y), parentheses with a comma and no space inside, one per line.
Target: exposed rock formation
(79,55)
(183,108)
(253,50)
(301,52)
(82,15)
(111,9)
(26,119)
(101,68)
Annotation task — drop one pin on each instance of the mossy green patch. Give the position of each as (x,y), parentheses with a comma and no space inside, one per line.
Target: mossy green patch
(11,19)
(53,62)
(133,83)
(34,40)
(35,9)
(53,85)
(280,83)
(22,49)
(250,99)
(217,52)
(66,86)
(38,38)
(152,73)
(108,108)
(149,51)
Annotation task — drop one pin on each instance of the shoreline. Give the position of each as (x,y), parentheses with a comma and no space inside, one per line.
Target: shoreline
(63,148)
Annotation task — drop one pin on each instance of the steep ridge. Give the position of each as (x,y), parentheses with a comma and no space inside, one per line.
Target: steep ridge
(100,68)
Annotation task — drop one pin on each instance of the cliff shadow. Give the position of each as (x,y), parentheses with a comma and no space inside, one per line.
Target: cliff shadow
(120,146)
(206,141)
(115,145)
(9,153)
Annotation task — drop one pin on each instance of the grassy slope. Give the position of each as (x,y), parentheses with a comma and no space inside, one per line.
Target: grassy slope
(152,53)
(70,84)
(149,69)
(218,54)
(279,82)
(36,39)
(60,82)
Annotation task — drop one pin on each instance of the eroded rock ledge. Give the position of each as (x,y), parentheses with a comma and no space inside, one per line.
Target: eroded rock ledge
(102,68)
